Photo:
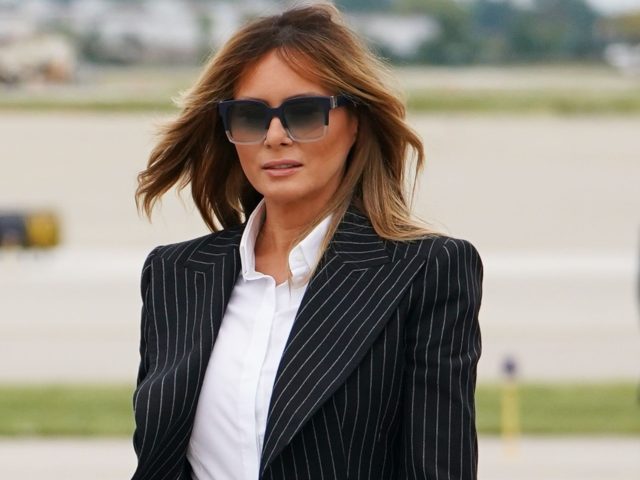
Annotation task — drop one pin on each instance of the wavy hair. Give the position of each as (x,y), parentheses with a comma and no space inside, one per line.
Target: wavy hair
(316,42)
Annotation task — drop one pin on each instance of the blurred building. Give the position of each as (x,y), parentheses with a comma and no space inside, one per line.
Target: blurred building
(50,58)
(625,57)
(27,51)
(158,31)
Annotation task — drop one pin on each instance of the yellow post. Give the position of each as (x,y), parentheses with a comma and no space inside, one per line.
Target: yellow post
(510,411)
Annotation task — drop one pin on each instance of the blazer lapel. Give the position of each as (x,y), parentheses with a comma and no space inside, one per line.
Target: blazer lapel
(214,264)
(350,297)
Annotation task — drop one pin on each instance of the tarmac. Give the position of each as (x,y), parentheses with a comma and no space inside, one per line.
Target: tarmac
(523,459)
(550,202)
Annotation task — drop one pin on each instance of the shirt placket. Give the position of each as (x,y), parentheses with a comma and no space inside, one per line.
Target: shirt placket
(251,374)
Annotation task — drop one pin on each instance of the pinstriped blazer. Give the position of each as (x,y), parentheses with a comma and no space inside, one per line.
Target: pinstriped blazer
(376,380)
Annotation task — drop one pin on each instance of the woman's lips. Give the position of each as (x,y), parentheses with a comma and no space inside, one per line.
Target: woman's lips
(281,168)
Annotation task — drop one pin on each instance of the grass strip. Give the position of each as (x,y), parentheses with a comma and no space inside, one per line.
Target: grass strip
(565,409)
(66,410)
(550,101)
(53,104)
(525,101)
(545,409)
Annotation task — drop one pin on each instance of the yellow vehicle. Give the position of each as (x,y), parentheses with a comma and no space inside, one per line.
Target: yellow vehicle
(37,229)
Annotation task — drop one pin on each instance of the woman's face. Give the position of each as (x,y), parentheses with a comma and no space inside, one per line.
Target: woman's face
(285,171)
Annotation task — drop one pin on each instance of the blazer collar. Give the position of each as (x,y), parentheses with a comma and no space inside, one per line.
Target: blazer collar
(355,243)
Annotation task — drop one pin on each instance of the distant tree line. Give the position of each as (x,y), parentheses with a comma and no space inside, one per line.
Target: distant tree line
(500,31)
(472,31)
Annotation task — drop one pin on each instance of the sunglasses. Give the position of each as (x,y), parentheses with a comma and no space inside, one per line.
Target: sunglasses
(304,118)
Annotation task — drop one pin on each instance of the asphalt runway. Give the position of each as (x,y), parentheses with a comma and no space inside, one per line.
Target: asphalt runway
(551,203)
(529,459)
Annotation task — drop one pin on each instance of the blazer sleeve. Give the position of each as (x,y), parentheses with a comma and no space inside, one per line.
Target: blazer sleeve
(145,285)
(443,348)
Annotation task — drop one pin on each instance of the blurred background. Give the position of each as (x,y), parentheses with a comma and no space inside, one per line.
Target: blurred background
(530,115)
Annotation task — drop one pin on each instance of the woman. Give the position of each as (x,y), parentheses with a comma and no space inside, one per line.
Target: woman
(329,336)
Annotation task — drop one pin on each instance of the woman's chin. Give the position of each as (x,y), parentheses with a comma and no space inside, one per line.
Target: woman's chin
(284,199)
(283,195)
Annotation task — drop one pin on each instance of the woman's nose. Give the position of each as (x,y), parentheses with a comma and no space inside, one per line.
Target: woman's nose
(276,133)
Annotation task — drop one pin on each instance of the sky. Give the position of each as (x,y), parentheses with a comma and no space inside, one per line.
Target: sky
(605,6)
(614,6)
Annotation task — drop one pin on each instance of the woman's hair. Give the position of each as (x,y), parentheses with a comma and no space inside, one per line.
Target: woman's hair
(317,44)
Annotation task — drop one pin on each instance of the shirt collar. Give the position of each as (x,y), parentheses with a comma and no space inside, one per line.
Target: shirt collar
(303,257)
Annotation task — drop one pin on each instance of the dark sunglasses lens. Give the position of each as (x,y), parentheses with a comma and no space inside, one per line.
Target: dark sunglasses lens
(246,121)
(306,118)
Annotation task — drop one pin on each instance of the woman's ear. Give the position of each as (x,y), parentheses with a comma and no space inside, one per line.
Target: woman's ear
(353,125)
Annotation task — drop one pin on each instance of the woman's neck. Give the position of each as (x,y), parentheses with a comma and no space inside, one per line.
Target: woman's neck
(283,224)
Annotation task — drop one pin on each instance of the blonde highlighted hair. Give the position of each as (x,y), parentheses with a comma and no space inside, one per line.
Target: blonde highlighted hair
(315,41)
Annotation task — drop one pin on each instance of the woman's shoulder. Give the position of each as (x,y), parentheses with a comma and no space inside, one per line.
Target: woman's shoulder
(184,249)
(433,246)
(450,261)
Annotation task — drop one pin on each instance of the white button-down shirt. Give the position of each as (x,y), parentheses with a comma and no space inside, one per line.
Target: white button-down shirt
(229,426)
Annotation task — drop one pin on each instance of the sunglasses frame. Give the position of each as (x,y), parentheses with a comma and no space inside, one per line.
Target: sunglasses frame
(328,103)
